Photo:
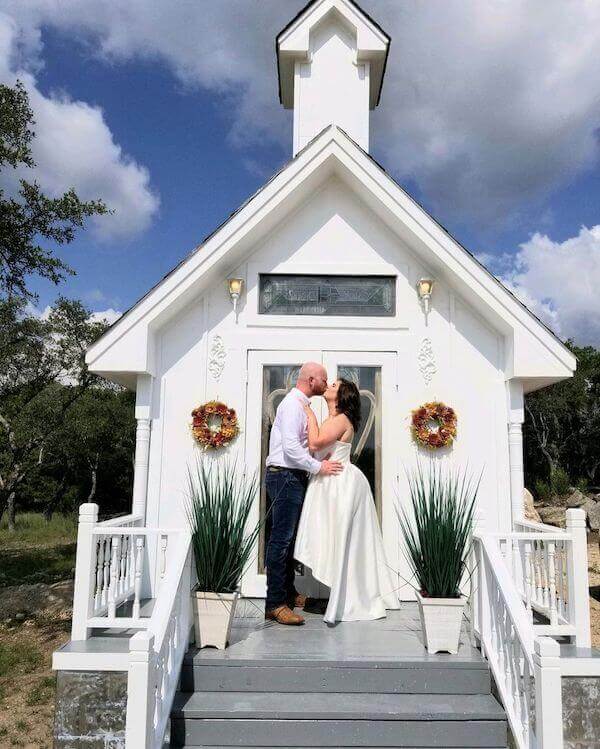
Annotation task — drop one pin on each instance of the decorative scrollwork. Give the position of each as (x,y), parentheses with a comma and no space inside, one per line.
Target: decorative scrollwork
(426,359)
(217,356)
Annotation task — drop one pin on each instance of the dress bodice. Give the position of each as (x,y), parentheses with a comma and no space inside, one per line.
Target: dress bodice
(340,451)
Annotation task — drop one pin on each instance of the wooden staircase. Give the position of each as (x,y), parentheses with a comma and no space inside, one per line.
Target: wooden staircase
(367,684)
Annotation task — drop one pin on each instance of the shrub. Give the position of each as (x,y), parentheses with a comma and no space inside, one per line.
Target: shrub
(218,507)
(438,531)
(560,482)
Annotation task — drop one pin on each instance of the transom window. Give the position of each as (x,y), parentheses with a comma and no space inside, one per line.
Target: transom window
(356,296)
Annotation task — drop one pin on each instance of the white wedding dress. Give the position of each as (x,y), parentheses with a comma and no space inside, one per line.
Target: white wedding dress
(340,540)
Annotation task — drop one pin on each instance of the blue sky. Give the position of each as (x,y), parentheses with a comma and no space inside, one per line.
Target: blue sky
(173,118)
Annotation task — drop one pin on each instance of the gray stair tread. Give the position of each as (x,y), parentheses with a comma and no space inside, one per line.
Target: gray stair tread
(336,706)
(419,660)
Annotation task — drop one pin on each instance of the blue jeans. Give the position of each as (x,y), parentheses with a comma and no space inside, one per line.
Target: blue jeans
(286,490)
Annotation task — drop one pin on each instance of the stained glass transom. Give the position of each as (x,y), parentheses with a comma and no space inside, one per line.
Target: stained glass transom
(357,296)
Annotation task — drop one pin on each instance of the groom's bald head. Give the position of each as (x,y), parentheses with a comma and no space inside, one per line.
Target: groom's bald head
(312,378)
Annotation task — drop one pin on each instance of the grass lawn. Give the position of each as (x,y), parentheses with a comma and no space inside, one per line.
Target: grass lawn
(34,621)
(37,551)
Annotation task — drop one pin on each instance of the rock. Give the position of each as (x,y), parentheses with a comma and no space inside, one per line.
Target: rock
(576,499)
(530,512)
(592,510)
(553,516)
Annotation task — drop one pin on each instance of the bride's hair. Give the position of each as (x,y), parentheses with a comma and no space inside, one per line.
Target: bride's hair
(348,402)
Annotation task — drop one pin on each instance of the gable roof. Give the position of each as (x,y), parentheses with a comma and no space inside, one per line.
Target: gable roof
(118,351)
(349,8)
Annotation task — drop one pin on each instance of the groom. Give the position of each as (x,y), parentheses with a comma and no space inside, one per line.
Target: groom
(289,465)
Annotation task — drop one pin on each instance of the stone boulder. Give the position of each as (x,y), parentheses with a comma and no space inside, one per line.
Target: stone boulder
(592,509)
(575,499)
(553,516)
(530,512)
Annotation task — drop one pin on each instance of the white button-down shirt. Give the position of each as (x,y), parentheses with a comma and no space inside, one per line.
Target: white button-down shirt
(288,444)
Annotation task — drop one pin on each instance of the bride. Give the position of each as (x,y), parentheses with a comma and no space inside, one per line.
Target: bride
(338,533)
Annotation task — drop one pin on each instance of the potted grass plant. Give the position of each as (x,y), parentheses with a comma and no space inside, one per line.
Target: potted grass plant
(437,528)
(218,506)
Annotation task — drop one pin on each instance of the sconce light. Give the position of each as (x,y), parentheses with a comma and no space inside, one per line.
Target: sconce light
(235,286)
(424,289)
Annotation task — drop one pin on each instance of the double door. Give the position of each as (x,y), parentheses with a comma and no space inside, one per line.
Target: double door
(271,374)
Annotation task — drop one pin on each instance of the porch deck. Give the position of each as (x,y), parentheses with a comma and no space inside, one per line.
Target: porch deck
(397,638)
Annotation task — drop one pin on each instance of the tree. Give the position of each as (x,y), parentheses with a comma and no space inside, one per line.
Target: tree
(90,457)
(42,375)
(562,425)
(30,217)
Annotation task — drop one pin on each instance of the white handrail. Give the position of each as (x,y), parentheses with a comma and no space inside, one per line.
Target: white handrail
(524,666)
(156,656)
(549,568)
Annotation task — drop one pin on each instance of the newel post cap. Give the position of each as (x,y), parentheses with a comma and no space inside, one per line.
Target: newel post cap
(576,518)
(88,512)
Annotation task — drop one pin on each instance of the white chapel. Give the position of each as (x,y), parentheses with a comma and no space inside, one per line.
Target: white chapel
(331,260)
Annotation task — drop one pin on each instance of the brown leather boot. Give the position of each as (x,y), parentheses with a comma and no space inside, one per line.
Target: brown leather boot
(284,615)
(298,602)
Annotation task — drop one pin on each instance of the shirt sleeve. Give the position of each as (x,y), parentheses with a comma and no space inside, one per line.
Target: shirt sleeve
(293,423)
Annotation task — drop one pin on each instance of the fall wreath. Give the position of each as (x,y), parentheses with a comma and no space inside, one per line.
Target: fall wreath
(434,425)
(214,425)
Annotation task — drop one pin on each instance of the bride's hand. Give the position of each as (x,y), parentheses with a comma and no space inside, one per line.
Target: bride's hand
(308,410)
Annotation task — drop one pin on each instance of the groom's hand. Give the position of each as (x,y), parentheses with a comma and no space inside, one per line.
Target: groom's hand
(330,468)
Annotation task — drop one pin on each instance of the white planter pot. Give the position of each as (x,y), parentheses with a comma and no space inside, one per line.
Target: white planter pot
(213,614)
(441,620)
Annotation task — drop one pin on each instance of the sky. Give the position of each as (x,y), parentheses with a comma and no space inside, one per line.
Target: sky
(489,116)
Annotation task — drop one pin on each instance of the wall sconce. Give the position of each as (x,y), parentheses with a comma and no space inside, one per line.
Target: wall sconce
(235,286)
(424,289)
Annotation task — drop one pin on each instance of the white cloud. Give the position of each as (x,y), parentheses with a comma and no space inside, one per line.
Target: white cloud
(74,146)
(109,315)
(558,281)
(489,106)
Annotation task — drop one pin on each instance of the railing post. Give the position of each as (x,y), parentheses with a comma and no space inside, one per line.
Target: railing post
(577,574)
(85,570)
(139,722)
(475,592)
(548,694)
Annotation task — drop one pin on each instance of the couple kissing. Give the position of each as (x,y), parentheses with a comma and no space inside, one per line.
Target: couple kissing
(322,509)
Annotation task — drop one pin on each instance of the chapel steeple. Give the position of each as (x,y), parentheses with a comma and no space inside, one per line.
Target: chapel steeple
(331,60)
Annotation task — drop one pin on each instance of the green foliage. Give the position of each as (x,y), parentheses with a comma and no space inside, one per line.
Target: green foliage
(218,506)
(437,530)
(65,436)
(562,428)
(543,490)
(560,481)
(29,216)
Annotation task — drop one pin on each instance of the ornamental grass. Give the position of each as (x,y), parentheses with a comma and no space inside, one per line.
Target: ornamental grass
(218,506)
(437,528)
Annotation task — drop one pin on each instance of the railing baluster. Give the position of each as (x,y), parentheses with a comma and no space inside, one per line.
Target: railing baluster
(552,582)
(114,575)
(137,586)
(528,576)
(99,546)
(106,577)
